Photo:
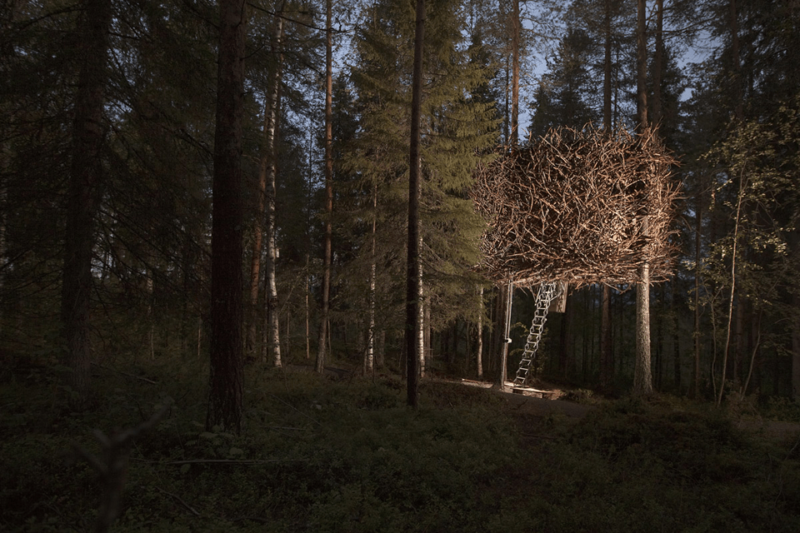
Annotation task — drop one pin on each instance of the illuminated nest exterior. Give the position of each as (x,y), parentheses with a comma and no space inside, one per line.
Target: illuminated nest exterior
(578,207)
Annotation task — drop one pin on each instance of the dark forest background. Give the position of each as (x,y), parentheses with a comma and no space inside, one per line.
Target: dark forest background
(722,83)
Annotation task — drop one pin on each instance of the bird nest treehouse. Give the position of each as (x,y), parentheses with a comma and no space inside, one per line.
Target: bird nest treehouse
(577,207)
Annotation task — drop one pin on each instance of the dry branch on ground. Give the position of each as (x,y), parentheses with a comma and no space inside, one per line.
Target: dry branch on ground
(578,206)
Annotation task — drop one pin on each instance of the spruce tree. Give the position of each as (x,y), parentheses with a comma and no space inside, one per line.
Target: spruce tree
(455,128)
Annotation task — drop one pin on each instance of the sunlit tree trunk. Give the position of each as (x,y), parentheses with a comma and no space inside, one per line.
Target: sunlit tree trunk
(269,161)
(85,181)
(267,154)
(226,374)
(642,375)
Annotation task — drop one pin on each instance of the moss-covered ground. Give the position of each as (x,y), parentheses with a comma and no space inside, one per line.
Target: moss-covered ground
(322,455)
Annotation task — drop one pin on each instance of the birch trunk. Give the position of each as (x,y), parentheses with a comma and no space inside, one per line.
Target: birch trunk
(269,161)
(267,154)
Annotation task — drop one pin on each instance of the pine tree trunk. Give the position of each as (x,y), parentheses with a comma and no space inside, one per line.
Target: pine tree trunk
(328,251)
(503,370)
(676,345)
(479,349)
(84,194)
(308,310)
(796,353)
(737,66)
(226,375)
(267,154)
(607,66)
(413,280)
(641,65)
(565,337)
(658,59)
(369,359)
(515,45)
(425,341)
(642,375)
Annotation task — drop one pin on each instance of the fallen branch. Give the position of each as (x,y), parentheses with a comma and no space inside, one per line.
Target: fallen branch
(186,505)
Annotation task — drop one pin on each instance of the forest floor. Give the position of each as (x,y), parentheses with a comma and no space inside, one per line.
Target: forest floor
(343,453)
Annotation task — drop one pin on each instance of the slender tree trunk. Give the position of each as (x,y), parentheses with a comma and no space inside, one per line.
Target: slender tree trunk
(272,327)
(642,375)
(414,281)
(606,347)
(328,252)
(737,66)
(369,359)
(86,177)
(267,154)
(796,352)
(226,376)
(607,66)
(676,345)
(308,310)
(515,45)
(658,60)
(503,370)
(641,65)
(565,337)
(151,325)
(697,271)
(479,362)
(733,290)
(507,118)
(425,330)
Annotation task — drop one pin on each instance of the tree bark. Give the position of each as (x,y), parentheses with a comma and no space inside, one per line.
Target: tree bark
(86,177)
(503,370)
(796,352)
(641,65)
(479,349)
(226,376)
(328,252)
(607,66)
(369,358)
(267,154)
(697,271)
(658,60)
(516,46)
(413,281)
(272,327)
(606,347)
(565,337)
(642,376)
(737,66)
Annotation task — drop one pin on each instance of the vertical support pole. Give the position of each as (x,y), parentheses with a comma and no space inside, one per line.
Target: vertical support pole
(506,337)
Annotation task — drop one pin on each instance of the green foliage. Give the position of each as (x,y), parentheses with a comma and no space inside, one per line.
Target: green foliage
(318,455)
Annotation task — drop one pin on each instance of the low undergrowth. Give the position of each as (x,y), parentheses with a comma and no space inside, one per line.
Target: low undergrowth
(319,455)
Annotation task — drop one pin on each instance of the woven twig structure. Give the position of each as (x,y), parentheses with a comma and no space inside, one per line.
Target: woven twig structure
(580,207)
